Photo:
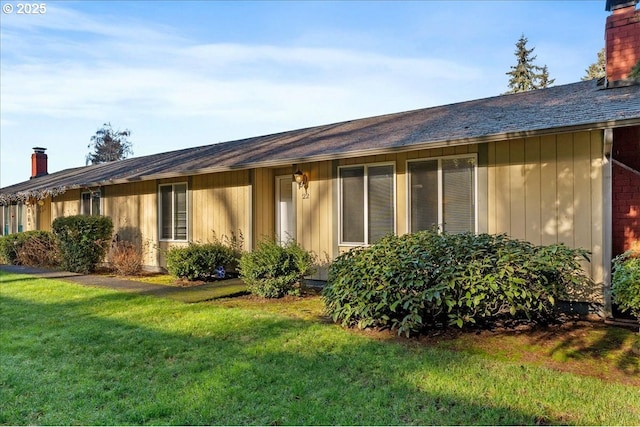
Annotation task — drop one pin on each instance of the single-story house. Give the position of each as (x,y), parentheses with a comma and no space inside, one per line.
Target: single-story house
(555,165)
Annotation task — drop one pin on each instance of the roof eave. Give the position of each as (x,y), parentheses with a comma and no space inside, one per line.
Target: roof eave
(586,127)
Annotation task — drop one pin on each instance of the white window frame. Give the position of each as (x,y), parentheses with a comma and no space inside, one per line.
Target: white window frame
(366,167)
(13,218)
(173,225)
(91,196)
(440,190)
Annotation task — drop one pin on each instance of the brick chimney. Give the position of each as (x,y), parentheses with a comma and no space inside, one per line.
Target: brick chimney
(622,40)
(38,162)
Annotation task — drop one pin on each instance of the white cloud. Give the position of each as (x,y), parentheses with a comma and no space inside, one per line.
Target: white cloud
(72,69)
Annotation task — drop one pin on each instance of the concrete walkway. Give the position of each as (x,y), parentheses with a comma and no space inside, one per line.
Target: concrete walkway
(185,294)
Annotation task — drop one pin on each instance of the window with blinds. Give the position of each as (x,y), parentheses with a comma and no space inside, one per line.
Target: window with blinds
(173,212)
(443,194)
(367,203)
(90,203)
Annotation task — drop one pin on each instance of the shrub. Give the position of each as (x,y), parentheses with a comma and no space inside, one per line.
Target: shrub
(8,253)
(625,286)
(34,248)
(273,270)
(199,261)
(83,241)
(125,258)
(423,279)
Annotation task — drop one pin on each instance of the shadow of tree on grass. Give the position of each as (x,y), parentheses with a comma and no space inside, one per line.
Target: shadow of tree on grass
(103,357)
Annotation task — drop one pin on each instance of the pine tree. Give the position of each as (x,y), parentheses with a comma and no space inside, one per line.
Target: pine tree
(544,80)
(525,75)
(596,70)
(109,145)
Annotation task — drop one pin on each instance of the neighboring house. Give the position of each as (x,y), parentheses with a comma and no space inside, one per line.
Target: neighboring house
(545,166)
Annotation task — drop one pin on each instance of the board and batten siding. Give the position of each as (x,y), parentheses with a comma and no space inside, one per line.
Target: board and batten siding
(133,208)
(547,190)
(220,206)
(66,204)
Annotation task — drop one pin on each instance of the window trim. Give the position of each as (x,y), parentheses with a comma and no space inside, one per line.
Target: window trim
(91,193)
(439,159)
(366,166)
(188,208)
(13,218)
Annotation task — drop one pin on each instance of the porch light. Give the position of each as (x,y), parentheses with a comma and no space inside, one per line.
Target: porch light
(301,179)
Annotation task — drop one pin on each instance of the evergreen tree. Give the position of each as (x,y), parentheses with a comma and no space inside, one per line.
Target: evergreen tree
(109,145)
(635,71)
(544,80)
(596,70)
(525,75)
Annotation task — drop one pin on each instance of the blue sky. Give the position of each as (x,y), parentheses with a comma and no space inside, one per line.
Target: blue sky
(188,73)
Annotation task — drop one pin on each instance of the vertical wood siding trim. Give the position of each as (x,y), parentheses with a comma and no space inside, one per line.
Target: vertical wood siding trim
(548,190)
(503,188)
(517,212)
(491,188)
(582,193)
(482,188)
(532,190)
(566,184)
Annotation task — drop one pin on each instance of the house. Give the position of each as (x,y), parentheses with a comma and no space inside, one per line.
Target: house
(556,165)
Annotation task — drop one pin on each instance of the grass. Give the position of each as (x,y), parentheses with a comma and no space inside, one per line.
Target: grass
(80,355)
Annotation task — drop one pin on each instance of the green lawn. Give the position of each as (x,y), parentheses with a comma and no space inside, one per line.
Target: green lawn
(76,355)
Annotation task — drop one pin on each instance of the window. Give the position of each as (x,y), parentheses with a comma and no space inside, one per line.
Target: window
(90,203)
(173,212)
(367,200)
(443,193)
(13,219)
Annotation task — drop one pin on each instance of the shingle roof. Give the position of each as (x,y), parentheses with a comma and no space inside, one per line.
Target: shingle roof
(576,106)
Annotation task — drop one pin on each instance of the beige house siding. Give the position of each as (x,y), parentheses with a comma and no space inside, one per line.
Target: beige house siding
(43,215)
(549,190)
(66,204)
(220,206)
(263,207)
(545,189)
(133,209)
(315,216)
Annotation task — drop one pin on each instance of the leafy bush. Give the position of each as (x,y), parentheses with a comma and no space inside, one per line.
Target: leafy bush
(33,248)
(199,261)
(125,258)
(83,241)
(625,286)
(423,279)
(8,253)
(273,270)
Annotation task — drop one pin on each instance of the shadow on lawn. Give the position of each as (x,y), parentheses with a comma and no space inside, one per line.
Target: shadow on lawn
(609,343)
(88,361)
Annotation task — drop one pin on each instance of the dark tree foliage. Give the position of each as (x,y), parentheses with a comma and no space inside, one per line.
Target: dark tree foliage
(525,75)
(596,70)
(635,71)
(108,145)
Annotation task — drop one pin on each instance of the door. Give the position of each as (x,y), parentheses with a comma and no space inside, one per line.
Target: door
(285,209)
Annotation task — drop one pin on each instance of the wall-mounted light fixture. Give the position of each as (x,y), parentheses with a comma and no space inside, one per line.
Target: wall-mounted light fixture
(302,180)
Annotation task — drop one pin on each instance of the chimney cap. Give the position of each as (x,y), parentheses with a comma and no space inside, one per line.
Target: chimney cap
(39,149)
(619,4)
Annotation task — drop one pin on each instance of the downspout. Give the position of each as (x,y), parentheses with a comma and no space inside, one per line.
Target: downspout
(607,200)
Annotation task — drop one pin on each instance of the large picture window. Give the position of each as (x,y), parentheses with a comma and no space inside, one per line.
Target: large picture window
(173,212)
(367,203)
(90,203)
(443,194)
